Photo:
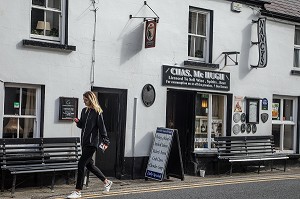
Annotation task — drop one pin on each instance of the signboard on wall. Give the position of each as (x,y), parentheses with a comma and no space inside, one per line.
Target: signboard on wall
(68,108)
(150,33)
(193,78)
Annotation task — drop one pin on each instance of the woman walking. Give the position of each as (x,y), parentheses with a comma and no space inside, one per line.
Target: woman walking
(93,133)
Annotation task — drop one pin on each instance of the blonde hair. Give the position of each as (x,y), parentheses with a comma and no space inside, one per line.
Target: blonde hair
(93,100)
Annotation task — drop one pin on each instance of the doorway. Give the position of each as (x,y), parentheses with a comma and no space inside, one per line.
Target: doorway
(114,105)
(180,114)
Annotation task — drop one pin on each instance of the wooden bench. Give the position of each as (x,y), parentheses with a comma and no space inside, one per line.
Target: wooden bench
(38,155)
(237,149)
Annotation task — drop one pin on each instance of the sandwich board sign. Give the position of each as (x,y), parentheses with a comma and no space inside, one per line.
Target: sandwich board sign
(165,145)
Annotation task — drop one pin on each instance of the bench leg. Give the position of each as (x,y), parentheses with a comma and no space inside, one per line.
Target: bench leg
(284,168)
(230,168)
(53,180)
(271,165)
(13,186)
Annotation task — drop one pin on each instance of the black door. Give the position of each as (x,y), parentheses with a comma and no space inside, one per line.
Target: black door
(113,103)
(180,116)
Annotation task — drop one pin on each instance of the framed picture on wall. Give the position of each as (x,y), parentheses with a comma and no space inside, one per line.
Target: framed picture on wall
(252,110)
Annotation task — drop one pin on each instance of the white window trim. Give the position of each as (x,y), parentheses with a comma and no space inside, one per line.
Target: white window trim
(62,22)
(207,37)
(282,122)
(37,108)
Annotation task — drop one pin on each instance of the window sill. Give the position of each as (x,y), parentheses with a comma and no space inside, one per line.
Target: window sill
(295,72)
(200,64)
(48,45)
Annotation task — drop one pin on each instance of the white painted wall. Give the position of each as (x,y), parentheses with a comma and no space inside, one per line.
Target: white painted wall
(123,62)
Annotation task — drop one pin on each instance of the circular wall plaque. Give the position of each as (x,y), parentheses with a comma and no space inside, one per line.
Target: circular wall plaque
(236,129)
(236,117)
(148,95)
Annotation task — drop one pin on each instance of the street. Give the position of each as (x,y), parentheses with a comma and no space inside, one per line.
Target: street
(260,187)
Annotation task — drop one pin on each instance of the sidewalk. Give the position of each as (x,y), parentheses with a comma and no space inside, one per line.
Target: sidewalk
(96,187)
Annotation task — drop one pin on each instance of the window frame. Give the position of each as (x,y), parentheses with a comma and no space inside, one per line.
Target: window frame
(210,119)
(37,116)
(208,37)
(282,122)
(62,23)
(296,48)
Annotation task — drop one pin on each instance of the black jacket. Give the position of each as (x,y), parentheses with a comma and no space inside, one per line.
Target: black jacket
(93,130)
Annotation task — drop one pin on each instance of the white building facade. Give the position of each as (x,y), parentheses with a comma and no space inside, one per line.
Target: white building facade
(200,78)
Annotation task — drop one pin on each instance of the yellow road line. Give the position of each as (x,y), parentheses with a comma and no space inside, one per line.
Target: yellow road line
(189,185)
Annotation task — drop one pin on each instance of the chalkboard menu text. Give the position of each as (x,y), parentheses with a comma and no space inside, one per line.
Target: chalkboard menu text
(68,108)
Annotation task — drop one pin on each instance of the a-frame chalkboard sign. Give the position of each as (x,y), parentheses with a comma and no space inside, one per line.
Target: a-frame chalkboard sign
(165,158)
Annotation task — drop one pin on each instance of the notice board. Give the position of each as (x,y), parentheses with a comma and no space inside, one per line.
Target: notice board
(68,108)
(165,148)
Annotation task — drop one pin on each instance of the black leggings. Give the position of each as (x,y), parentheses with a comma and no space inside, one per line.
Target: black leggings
(86,160)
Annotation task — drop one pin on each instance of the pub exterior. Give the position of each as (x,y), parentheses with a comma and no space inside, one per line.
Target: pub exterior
(207,68)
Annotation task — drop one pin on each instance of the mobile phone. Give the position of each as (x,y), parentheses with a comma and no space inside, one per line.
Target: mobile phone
(102,147)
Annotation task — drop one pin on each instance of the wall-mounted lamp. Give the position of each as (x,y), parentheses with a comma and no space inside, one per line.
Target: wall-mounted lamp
(204,103)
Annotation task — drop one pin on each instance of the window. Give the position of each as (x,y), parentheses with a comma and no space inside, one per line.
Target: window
(198,34)
(297,47)
(20,119)
(209,121)
(284,123)
(47,19)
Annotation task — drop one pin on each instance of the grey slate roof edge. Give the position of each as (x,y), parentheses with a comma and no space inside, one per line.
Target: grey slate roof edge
(280,16)
(259,3)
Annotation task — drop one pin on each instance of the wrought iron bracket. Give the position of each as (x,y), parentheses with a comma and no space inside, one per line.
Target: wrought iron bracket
(228,55)
(145,18)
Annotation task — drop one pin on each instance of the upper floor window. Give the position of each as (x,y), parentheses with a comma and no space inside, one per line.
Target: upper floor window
(47,19)
(198,34)
(297,47)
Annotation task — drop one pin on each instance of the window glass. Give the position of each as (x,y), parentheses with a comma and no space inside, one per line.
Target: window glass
(54,4)
(197,34)
(28,101)
(288,137)
(276,134)
(287,110)
(192,22)
(297,57)
(204,137)
(276,109)
(46,20)
(297,47)
(201,28)
(39,2)
(19,112)
(283,123)
(27,125)
(12,101)
(297,36)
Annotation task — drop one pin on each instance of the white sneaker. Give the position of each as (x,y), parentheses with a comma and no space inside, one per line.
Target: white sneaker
(107,186)
(74,194)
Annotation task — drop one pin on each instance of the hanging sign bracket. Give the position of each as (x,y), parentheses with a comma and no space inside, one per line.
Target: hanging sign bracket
(145,18)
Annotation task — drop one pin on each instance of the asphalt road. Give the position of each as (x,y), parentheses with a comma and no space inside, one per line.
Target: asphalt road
(276,188)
